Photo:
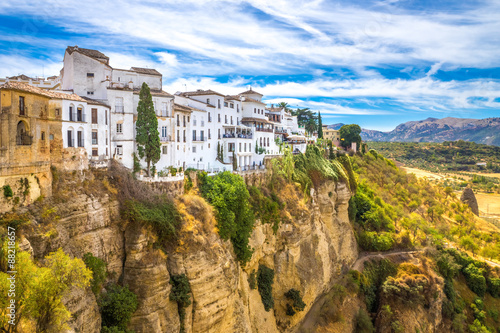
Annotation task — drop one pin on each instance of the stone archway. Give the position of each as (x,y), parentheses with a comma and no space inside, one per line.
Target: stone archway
(22,134)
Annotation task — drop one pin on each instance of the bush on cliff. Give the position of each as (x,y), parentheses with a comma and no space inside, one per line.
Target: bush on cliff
(265,279)
(180,293)
(98,268)
(228,194)
(117,306)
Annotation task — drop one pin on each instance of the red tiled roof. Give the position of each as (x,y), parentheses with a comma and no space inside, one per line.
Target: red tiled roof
(21,86)
(201,92)
(148,71)
(249,92)
(88,52)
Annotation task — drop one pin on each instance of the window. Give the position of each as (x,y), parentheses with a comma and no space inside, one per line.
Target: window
(79,137)
(194,135)
(106,139)
(106,117)
(90,74)
(178,121)
(268,142)
(164,150)
(245,147)
(95,152)
(119,128)
(184,135)
(184,120)
(225,104)
(231,105)
(22,109)
(239,148)
(194,149)
(249,147)
(106,151)
(230,147)
(164,131)
(225,119)
(202,134)
(164,109)
(79,115)
(254,110)
(51,136)
(237,108)
(231,120)
(94,137)
(119,150)
(194,120)
(209,136)
(209,117)
(71,115)
(58,112)
(70,139)
(90,92)
(94,116)
(178,138)
(208,100)
(219,117)
(219,133)
(119,104)
(218,104)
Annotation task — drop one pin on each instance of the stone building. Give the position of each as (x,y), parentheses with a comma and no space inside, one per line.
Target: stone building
(31,140)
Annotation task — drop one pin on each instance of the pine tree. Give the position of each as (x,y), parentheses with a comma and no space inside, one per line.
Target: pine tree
(147,135)
(320,126)
(218,150)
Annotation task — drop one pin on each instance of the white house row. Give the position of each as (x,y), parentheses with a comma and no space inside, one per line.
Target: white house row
(201,129)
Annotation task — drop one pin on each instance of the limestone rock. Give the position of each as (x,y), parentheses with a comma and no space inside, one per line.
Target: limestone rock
(469,198)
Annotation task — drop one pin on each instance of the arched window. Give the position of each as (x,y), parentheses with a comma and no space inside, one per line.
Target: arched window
(70,137)
(268,142)
(72,114)
(23,137)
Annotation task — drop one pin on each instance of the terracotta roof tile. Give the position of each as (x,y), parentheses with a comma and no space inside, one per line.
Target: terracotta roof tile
(249,92)
(149,71)
(201,92)
(88,52)
(21,86)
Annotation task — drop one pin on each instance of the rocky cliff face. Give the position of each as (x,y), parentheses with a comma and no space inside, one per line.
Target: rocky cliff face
(308,253)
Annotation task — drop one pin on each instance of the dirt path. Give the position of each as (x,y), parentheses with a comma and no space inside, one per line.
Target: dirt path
(399,255)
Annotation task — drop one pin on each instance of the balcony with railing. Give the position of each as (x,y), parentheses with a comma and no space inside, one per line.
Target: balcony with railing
(166,138)
(199,138)
(76,116)
(262,129)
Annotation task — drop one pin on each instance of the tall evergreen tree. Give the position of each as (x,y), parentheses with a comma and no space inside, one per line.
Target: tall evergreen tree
(320,126)
(235,162)
(147,135)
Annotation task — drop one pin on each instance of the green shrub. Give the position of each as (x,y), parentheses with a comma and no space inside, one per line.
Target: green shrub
(373,241)
(228,194)
(447,265)
(265,279)
(297,302)
(117,306)
(475,279)
(180,293)
(267,209)
(7,191)
(363,322)
(98,268)
(494,286)
(162,216)
(252,280)
(188,182)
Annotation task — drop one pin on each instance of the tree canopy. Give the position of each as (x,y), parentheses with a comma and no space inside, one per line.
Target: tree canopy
(349,134)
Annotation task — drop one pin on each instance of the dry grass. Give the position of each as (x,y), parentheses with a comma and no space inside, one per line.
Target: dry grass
(198,222)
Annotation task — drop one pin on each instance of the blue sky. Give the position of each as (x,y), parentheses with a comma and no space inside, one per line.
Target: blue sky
(375,63)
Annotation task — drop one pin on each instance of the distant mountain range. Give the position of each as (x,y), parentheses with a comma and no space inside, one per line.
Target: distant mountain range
(486,131)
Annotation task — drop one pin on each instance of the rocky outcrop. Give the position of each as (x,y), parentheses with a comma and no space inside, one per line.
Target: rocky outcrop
(469,198)
(308,253)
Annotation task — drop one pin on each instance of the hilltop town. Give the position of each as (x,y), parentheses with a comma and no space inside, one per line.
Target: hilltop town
(85,116)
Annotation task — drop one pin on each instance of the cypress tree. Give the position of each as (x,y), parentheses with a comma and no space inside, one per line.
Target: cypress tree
(320,126)
(147,135)
(235,162)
